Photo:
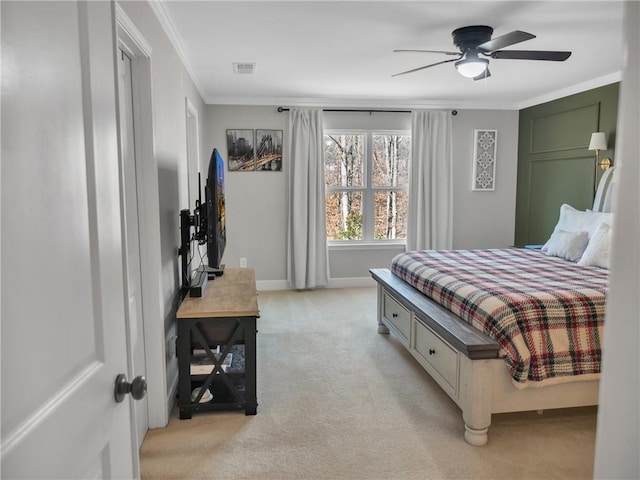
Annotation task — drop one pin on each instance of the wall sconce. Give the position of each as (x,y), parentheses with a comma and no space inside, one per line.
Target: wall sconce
(599,142)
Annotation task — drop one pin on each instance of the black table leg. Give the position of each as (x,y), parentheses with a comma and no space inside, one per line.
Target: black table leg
(250,365)
(183,351)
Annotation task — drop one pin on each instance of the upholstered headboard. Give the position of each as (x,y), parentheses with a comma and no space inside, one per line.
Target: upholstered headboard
(604,195)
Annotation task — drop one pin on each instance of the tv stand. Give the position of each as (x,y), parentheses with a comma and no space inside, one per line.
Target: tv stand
(225,316)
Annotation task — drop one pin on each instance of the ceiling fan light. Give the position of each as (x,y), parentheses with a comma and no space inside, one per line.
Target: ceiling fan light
(472,67)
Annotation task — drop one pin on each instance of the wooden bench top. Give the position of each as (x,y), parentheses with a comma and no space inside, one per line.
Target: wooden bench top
(461,335)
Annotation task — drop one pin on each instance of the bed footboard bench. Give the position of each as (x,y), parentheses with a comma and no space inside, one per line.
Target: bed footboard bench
(464,361)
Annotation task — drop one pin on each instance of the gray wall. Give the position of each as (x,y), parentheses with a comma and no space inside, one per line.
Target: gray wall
(171,85)
(484,219)
(256,201)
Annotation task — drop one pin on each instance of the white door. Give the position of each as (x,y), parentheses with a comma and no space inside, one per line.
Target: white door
(63,314)
(132,244)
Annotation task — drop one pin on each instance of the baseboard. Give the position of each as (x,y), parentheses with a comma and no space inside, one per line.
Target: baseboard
(265,285)
(171,398)
(350,282)
(347,282)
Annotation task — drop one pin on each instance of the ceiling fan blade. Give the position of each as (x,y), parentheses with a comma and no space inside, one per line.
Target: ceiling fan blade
(485,74)
(505,40)
(532,55)
(428,51)
(426,66)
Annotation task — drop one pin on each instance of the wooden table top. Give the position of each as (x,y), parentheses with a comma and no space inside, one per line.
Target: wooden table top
(231,295)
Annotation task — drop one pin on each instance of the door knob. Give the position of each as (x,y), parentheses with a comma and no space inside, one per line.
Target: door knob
(137,388)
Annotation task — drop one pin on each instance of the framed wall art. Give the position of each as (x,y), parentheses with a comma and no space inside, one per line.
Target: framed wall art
(269,150)
(240,150)
(485,143)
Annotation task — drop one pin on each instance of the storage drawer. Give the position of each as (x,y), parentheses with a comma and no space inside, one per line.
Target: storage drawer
(398,316)
(436,355)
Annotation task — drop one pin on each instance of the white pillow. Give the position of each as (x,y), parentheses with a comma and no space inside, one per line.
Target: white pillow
(567,245)
(597,252)
(572,220)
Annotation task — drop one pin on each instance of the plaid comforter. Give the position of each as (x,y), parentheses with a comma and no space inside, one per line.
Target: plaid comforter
(545,312)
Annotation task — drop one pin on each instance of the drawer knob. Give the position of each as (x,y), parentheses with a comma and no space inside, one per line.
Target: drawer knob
(394,315)
(432,351)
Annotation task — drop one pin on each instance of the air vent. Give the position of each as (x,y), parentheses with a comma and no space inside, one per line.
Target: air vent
(244,68)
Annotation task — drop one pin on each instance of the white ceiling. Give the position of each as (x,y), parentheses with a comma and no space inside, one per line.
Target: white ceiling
(340,53)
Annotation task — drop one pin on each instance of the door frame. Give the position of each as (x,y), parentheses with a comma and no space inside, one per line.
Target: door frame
(192,133)
(193,149)
(129,38)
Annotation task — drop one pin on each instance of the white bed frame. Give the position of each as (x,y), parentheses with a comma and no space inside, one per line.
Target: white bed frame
(464,361)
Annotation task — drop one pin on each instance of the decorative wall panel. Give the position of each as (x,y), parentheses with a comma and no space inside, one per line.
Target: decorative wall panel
(484,160)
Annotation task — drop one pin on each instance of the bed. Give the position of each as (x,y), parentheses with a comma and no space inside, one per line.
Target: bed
(507,330)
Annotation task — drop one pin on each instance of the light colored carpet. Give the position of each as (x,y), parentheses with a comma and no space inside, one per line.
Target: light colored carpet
(337,401)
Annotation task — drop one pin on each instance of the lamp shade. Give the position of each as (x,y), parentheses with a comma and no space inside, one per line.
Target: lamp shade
(598,141)
(472,67)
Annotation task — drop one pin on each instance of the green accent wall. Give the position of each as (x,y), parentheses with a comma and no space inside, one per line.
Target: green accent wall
(554,163)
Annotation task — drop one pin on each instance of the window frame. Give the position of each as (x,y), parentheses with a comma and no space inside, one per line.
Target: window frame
(367,189)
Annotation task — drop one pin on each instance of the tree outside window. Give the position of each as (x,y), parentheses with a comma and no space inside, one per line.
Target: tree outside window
(366,176)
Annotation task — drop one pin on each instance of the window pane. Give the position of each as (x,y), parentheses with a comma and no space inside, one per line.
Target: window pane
(391,154)
(344,160)
(344,216)
(391,215)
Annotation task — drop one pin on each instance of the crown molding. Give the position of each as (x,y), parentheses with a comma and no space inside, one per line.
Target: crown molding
(391,103)
(565,92)
(159,8)
(375,103)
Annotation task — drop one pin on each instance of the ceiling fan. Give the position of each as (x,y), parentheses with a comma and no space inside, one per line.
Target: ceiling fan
(476,40)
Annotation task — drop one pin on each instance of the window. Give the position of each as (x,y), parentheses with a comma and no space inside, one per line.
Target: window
(367,176)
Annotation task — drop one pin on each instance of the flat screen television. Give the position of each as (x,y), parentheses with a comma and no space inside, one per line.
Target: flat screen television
(214,221)
(209,220)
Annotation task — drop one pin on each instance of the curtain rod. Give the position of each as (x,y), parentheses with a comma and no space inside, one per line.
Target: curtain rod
(369,111)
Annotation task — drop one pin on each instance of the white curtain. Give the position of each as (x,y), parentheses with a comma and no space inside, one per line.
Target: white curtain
(429,225)
(307,258)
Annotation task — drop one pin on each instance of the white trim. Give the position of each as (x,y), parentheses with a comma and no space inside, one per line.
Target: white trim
(565,92)
(351,282)
(164,18)
(267,285)
(354,245)
(394,104)
(148,201)
(173,392)
(129,36)
(193,156)
(346,282)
